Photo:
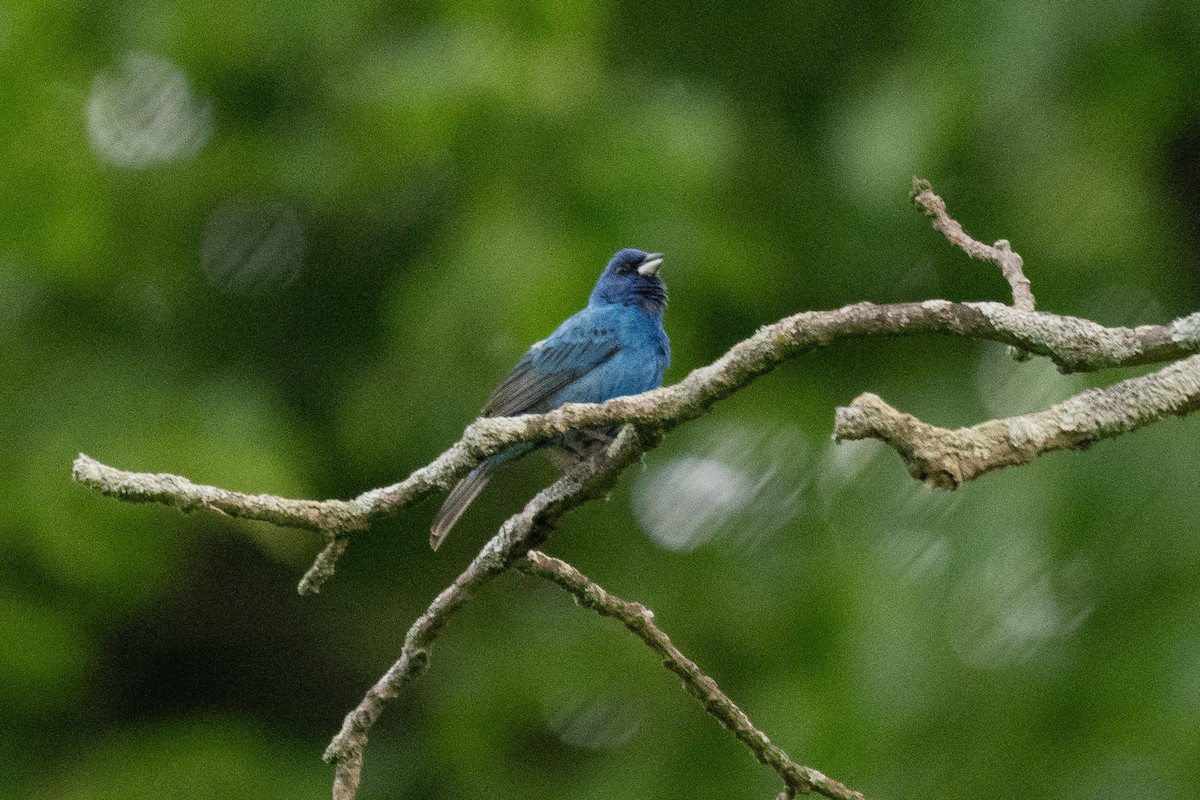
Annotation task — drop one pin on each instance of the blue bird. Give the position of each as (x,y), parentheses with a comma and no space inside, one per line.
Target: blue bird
(616,346)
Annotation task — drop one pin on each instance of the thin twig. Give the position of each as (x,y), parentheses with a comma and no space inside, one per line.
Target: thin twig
(640,621)
(1011,265)
(519,533)
(323,566)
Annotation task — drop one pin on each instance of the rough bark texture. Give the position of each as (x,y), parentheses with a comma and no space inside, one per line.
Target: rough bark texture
(948,458)
(943,458)
(1072,343)
(640,622)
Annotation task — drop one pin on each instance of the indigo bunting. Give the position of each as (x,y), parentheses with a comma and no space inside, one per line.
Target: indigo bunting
(615,346)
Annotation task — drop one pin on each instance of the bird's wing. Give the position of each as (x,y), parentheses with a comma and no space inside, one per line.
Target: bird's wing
(550,366)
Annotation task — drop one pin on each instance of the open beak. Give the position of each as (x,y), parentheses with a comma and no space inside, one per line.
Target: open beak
(650,264)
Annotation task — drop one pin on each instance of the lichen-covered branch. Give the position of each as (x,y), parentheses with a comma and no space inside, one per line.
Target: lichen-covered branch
(173,490)
(517,535)
(1011,265)
(947,458)
(1074,344)
(640,621)
(942,457)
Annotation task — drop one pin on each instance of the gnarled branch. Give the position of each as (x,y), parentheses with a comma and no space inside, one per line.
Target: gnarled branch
(947,458)
(1073,344)
(1011,265)
(942,457)
(517,535)
(639,620)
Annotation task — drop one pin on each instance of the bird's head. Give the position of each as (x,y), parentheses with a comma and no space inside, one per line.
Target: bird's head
(631,279)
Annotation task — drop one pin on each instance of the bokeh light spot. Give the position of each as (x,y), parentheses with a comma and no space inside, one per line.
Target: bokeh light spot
(1017,603)
(144,112)
(251,248)
(749,482)
(689,500)
(597,723)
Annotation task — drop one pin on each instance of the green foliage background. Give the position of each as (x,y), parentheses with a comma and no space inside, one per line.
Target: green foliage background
(460,171)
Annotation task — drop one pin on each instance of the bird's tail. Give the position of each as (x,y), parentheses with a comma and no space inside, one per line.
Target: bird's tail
(459,498)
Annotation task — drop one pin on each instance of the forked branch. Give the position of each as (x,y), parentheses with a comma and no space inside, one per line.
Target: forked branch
(947,458)
(1072,343)
(944,458)
(517,535)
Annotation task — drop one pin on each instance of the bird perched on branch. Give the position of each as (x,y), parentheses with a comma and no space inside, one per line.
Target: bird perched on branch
(615,346)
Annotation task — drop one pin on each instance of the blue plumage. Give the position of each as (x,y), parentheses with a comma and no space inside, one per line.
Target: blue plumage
(615,346)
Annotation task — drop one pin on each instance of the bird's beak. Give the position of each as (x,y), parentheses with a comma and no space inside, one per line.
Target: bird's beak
(650,264)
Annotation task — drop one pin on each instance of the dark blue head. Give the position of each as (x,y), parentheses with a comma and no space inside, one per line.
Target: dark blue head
(631,279)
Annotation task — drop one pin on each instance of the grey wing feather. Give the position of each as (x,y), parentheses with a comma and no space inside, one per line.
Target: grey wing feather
(545,371)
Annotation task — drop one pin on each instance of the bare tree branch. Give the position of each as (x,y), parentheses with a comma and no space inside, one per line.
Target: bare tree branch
(947,458)
(1011,265)
(942,457)
(1001,253)
(640,621)
(173,490)
(517,535)
(1074,344)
